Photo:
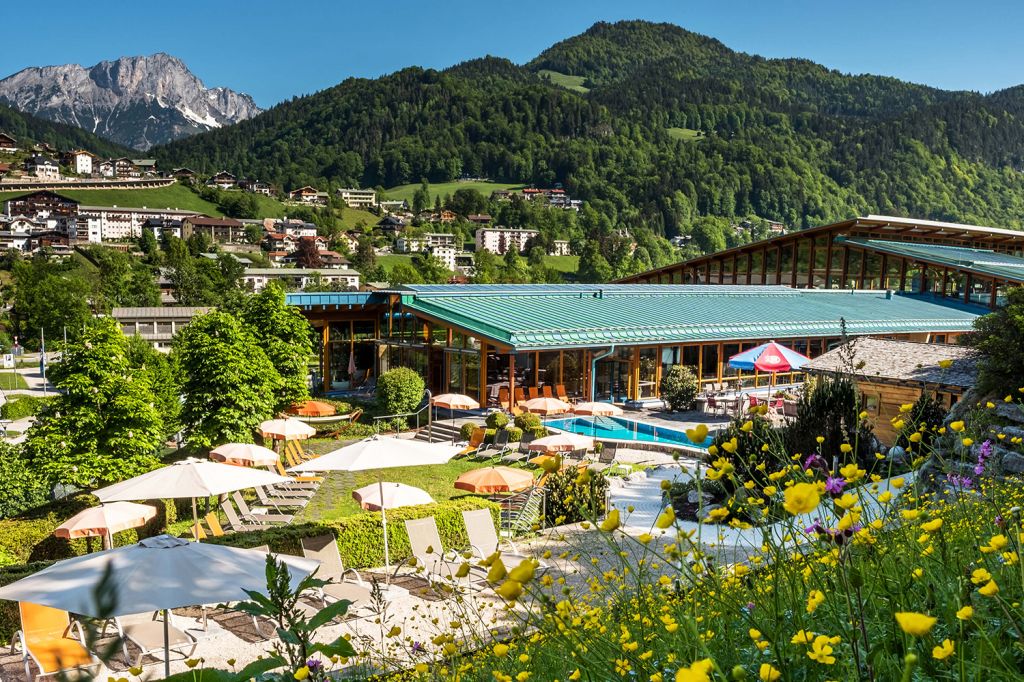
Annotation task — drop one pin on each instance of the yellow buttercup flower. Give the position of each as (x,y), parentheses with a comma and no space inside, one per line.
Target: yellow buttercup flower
(666,518)
(915,624)
(931,526)
(945,364)
(747,427)
(814,600)
(821,651)
(698,671)
(846,448)
(302,673)
(943,651)
(980,575)
(801,498)
(989,589)
(956,426)
(611,522)
(966,613)
(767,673)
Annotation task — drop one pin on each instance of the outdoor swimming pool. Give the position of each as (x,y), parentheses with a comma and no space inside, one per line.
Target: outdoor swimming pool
(618,428)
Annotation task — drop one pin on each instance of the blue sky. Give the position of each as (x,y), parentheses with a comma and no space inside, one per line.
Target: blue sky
(274,50)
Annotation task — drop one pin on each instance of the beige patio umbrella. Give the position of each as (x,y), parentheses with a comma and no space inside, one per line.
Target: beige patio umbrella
(244,454)
(189,478)
(394,495)
(597,409)
(454,401)
(105,520)
(286,429)
(380,452)
(562,442)
(546,406)
(494,480)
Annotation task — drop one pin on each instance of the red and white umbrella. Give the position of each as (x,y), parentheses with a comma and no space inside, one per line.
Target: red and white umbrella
(105,520)
(562,442)
(597,409)
(244,454)
(546,406)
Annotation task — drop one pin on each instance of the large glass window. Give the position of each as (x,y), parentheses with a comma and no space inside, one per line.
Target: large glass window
(573,368)
(648,372)
(709,361)
(549,368)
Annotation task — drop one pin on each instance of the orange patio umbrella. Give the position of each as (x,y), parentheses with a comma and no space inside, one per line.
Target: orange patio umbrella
(105,520)
(597,409)
(546,406)
(313,408)
(494,480)
(454,401)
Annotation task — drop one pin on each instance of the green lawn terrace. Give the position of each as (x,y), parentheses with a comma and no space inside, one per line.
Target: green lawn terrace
(605,342)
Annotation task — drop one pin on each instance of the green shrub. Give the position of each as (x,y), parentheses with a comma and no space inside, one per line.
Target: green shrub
(1000,338)
(340,405)
(466,430)
(399,391)
(20,487)
(489,435)
(497,420)
(679,387)
(527,421)
(360,540)
(21,406)
(515,434)
(570,500)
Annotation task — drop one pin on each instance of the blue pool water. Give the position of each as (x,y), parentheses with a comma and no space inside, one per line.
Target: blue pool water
(617,428)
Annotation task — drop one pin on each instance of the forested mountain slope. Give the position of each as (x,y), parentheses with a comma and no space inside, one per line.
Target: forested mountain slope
(29,129)
(669,126)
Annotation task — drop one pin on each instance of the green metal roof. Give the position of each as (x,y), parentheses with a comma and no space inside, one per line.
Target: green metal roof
(559,316)
(980,261)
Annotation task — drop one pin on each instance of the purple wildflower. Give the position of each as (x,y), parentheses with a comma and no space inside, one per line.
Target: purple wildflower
(314,665)
(834,485)
(417,648)
(750,606)
(812,460)
(961,482)
(1000,522)
(985,450)
(979,469)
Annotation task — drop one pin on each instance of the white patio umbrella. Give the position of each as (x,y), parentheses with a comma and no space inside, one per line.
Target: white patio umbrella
(561,442)
(547,406)
(388,495)
(286,429)
(157,574)
(105,520)
(380,452)
(189,478)
(244,454)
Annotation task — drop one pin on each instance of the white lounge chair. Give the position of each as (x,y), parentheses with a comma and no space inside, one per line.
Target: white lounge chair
(429,553)
(146,632)
(324,548)
(484,540)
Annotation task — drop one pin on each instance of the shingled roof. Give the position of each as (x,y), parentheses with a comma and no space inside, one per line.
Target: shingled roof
(905,362)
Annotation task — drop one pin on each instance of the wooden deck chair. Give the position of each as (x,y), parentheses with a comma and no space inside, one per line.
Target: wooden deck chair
(146,632)
(533,392)
(258,515)
(197,531)
(429,553)
(297,450)
(516,410)
(484,540)
(214,524)
(520,395)
(235,523)
(324,548)
(561,393)
(546,391)
(476,439)
(290,456)
(503,398)
(45,639)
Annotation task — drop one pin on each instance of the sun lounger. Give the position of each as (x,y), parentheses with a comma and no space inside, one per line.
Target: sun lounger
(495,449)
(429,553)
(546,391)
(606,460)
(216,530)
(258,515)
(235,523)
(533,392)
(561,393)
(484,540)
(476,439)
(45,640)
(324,548)
(146,632)
(520,452)
(296,482)
(520,395)
(282,501)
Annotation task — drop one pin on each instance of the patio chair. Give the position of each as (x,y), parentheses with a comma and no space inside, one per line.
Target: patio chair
(476,439)
(546,391)
(484,540)
(44,639)
(297,482)
(235,523)
(533,392)
(283,501)
(519,452)
(216,530)
(146,632)
(497,448)
(561,393)
(606,459)
(503,401)
(324,548)
(429,553)
(290,456)
(520,395)
(258,515)
(714,406)
(576,456)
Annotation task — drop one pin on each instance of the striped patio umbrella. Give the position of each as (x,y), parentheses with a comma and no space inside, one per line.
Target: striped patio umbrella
(769,357)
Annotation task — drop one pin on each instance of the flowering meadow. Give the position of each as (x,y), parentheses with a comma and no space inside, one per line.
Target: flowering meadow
(928,586)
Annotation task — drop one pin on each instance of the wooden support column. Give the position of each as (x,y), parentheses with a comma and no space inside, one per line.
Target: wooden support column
(482,383)
(764,266)
(923,286)
(884,280)
(796,255)
(326,357)
(511,379)
(992,296)
(846,267)
(811,262)
(945,281)
(750,264)
(778,264)
(903,274)
(828,261)
(721,270)
(863,269)
(707,272)
(967,287)
(734,273)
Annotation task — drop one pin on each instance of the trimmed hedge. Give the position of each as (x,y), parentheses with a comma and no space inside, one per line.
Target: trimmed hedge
(360,540)
(21,406)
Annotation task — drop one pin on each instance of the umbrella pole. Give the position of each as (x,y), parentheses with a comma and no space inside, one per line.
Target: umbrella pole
(195,521)
(384,523)
(167,644)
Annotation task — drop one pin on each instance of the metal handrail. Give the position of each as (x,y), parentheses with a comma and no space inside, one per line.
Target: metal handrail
(416,414)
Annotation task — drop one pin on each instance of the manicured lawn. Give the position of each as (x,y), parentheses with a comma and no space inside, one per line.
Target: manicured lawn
(10,381)
(175,196)
(443,188)
(351,217)
(390,260)
(564,80)
(563,263)
(683,133)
